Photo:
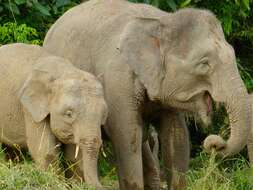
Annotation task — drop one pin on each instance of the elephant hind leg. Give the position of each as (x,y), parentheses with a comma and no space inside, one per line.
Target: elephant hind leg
(150,168)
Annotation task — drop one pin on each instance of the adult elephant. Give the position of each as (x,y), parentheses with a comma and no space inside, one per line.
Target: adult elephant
(152,64)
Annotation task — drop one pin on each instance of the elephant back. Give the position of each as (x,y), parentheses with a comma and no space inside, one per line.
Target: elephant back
(89,33)
(15,64)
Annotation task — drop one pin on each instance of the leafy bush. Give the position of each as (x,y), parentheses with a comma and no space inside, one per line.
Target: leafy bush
(231,13)
(12,32)
(37,14)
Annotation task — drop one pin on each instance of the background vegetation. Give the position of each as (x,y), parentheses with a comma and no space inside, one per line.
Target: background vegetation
(28,21)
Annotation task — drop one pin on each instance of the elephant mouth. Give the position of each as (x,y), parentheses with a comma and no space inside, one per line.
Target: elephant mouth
(205,108)
(203,102)
(198,102)
(66,138)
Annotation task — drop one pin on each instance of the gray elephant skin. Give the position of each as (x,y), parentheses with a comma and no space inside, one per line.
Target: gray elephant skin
(250,140)
(154,63)
(45,101)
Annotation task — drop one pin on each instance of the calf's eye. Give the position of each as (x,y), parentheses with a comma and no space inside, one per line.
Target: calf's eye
(69,114)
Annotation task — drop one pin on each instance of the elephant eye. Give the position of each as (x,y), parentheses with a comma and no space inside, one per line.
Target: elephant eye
(202,67)
(69,113)
(204,61)
(69,116)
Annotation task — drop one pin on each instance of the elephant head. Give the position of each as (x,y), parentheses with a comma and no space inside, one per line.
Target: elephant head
(183,61)
(74,102)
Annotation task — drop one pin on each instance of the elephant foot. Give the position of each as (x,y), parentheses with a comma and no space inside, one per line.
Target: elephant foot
(131,185)
(178,182)
(152,181)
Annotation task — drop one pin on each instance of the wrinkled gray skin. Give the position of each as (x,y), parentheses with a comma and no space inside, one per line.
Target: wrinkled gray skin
(176,151)
(45,101)
(152,64)
(250,140)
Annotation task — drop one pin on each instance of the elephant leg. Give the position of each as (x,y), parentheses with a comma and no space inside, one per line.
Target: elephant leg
(174,138)
(150,168)
(42,144)
(250,148)
(73,166)
(154,143)
(125,131)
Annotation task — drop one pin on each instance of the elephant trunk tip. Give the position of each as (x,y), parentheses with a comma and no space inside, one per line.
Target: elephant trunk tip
(220,146)
(215,142)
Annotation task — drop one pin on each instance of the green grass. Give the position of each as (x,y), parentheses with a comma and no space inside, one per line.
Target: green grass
(211,173)
(206,173)
(27,176)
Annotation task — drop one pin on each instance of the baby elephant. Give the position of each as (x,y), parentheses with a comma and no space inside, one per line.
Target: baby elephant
(46,102)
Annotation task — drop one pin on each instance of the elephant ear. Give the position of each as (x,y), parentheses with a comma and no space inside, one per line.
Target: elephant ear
(36,92)
(34,95)
(104,117)
(140,48)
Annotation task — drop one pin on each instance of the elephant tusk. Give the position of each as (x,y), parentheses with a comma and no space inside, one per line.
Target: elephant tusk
(77,150)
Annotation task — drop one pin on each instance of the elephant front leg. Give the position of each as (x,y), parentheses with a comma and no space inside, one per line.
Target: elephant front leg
(41,143)
(125,131)
(174,138)
(150,168)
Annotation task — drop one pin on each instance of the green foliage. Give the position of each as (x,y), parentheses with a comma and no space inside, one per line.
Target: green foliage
(107,161)
(38,14)
(12,32)
(247,78)
(234,14)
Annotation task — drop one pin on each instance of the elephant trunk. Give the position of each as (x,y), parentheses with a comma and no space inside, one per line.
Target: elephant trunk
(89,148)
(88,142)
(239,110)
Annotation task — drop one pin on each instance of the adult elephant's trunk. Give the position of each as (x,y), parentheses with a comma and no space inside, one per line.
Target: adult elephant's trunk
(234,94)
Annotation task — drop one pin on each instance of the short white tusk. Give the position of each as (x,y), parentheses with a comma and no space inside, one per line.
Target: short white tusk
(77,150)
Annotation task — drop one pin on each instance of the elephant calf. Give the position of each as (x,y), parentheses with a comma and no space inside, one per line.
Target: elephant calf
(47,102)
